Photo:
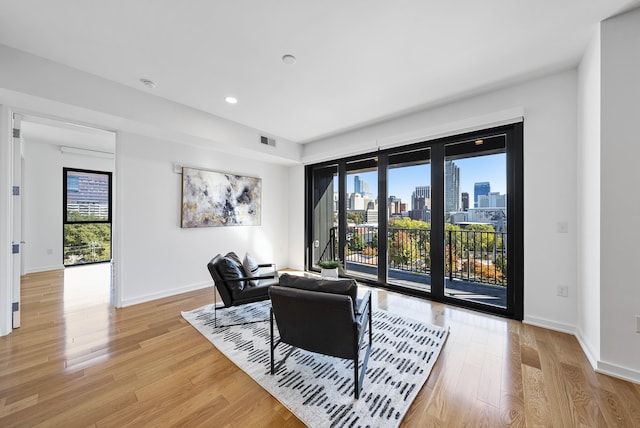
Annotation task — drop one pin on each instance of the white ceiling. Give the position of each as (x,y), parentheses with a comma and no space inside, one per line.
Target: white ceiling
(358,61)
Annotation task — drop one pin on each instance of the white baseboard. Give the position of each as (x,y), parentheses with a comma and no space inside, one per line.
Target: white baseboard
(166,293)
(588,352)
(623,373)
(598,365)
(551,325)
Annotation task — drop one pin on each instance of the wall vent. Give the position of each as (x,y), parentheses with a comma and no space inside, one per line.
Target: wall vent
(267,141)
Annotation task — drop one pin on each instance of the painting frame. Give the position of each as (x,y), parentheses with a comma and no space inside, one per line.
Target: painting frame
(217,199)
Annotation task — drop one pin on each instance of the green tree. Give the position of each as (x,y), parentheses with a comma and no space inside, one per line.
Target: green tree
(356,218)
(403,248)
(357,242)
(87,242)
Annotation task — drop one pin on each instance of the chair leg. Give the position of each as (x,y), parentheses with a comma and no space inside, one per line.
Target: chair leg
(215,308)
(271,341)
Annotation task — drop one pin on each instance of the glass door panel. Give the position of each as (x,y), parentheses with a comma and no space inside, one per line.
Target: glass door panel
(475,217)
(361,239)
(409,219)
(325,215)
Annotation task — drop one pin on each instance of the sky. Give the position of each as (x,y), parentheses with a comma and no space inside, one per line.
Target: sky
(403,181)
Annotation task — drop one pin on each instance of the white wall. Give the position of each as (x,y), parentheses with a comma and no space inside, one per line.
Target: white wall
(42,193)
(549,106)
(620,154)
(588,205)
(157,258)
(297,250)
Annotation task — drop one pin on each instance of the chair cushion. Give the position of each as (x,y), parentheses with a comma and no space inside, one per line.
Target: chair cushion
(251,268)
(230,269)
(348,287)
(233,256)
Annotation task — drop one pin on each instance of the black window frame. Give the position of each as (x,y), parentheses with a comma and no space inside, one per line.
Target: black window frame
(514,134)
(66,221)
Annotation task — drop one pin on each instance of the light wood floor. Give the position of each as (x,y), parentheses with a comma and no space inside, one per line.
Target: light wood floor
(92,365)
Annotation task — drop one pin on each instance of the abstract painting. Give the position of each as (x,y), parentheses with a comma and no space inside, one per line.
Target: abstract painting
(212,198)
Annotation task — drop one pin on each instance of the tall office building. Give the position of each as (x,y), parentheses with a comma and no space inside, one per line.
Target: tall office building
(452,187)
(396,207)
(480,189)
(465,201)
(357,184)
(421,198)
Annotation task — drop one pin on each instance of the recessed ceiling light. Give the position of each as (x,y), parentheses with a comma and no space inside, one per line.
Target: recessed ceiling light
(289,59)
(148,83)
(479,142)
(231,100)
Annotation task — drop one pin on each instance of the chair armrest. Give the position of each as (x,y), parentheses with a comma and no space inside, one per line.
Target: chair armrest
(364,303)
(248,278)
(267,265)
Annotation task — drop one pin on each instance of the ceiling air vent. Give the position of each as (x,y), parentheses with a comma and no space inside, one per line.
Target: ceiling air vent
(267,141)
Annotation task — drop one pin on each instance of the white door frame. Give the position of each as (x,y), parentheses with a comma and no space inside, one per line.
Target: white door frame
(16,204)
(6,262)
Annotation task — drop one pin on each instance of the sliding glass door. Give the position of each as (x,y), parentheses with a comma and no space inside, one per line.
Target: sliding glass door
(475,218)
(360,246)
(409,219)
(431,219)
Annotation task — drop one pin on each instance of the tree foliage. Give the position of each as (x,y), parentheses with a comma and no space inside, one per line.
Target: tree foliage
(87,242)
(357,242)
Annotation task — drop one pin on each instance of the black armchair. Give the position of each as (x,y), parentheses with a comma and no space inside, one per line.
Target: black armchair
(322,316)
(234,286)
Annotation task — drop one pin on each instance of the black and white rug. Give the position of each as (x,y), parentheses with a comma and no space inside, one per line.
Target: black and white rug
(318,389)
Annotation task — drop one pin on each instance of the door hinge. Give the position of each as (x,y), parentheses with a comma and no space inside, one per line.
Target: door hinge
(16,190)
(16,132)
(15,249)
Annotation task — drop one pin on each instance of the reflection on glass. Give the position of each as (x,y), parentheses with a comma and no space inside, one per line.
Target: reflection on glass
(325,214)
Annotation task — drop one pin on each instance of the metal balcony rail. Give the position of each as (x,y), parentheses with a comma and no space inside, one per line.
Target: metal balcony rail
(470,255)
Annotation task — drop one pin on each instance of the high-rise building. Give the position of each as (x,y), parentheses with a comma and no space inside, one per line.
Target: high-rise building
(451,186)
(480,189)
(421,198)
(357,184)
(465,201)
(396,206)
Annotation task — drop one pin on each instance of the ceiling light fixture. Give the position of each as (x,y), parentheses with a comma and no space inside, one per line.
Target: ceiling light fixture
(231,100)
(148,83)
(289,59)
(479,142)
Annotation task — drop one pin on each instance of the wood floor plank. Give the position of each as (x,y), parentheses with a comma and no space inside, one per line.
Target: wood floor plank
(97,366)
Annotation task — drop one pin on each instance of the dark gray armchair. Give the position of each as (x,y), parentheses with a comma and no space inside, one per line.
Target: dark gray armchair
(323,316)
(234,286)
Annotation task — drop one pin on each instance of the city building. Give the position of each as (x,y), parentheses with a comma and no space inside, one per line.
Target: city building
(480,189)
(452,186)
(421,198)
(465,201)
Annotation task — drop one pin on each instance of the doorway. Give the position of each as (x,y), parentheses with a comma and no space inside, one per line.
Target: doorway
(49,147)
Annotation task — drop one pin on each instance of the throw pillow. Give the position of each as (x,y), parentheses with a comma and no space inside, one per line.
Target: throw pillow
(233,256)
(251,268)
(229,269)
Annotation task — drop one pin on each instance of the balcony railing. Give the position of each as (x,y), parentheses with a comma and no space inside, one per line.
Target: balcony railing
(470,255)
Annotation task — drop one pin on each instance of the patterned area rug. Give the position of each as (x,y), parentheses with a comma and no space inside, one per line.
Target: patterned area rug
(318,389)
